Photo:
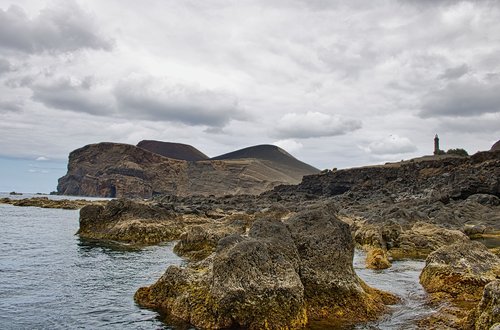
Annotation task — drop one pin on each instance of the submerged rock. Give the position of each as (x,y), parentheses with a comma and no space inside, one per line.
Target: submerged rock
(277,277)
(377,259)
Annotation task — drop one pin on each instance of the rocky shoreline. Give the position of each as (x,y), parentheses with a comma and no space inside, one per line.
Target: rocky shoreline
(283,258)
(47,203)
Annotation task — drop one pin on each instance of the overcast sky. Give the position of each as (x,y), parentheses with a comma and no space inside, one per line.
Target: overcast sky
(335,83)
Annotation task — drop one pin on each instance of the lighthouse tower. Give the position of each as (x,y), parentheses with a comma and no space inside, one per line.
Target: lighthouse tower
(436,145)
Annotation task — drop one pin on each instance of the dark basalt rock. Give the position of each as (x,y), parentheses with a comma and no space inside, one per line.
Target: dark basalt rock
(439,178)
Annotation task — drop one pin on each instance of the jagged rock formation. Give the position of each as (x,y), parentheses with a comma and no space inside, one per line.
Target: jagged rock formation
(278,277)
(122,170)
(460,271)
(173,150)
(436,177)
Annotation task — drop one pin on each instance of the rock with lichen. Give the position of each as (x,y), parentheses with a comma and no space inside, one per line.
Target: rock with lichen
(251,282)
(129,221)
(277,277)
(487,313)
(199,241)
(331,287)
(460,271)
(423,238)
(377,259)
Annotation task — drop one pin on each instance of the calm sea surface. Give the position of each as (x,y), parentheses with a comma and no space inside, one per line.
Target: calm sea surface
(52,279)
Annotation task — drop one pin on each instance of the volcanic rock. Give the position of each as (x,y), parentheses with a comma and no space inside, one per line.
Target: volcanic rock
(277,277)
(460,271)
(251,283)
(487,313)
(437,178)
(199,241)
(121,170)
(377,259)
(128,221)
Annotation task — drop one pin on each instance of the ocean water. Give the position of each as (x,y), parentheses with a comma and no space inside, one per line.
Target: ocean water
(52,279)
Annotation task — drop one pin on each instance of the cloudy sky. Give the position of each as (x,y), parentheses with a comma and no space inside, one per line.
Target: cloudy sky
(336,83)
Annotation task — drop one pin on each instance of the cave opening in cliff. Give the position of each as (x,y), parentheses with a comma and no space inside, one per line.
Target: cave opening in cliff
(112,192)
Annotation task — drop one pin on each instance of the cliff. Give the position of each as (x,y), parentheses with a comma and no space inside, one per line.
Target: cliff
(435,177)
(122,170)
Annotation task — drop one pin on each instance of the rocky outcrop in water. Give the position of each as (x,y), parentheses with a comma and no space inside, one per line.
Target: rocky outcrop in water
(277,277)
(376,258)
(459,275)
(122,170)
(131,222)
(47,203)
(460,271)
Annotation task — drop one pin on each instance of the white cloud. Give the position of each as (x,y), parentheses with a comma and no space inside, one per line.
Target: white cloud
(314,124)
(391,145)
(41,159)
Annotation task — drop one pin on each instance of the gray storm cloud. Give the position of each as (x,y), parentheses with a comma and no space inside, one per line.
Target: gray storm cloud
(314,124)
(463,99)
(56,29)
(158,100)
(5,66)
(77,96)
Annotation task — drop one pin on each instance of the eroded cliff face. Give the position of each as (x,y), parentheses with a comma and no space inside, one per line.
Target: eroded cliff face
(122,170)
(434,177)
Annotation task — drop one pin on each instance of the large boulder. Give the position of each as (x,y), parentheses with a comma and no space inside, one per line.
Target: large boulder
(277,277)
(423,238)
(251,282)
(129,221)
(460,271)
(331,287)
